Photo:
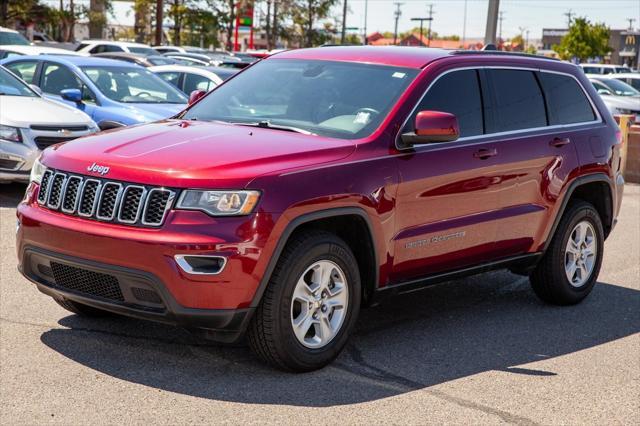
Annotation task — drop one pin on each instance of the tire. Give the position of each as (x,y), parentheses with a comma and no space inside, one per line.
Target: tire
(271,332)
(550,278)
(82,310)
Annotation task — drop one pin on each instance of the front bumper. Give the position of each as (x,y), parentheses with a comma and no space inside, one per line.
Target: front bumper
(128,292)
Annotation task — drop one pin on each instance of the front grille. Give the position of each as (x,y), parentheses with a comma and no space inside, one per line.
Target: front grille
(105,200)
(87,282)
(58,128)
(43,142)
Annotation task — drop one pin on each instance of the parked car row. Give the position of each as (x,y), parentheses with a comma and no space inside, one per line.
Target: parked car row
(618,96)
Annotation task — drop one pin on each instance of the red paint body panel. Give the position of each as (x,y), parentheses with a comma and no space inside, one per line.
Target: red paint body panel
(432,208)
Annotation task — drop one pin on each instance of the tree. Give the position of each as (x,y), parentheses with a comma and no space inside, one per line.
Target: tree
(142,11)
(97,14)
(584,41)
(306,14)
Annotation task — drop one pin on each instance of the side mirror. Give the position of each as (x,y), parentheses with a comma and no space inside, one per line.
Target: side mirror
(195,96)
(109,124)
(604,92)
(36,89)
(432,127)
(71,95)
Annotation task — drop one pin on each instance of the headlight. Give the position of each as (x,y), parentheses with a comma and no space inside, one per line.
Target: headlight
(219,203)
(37,171)
(9,133)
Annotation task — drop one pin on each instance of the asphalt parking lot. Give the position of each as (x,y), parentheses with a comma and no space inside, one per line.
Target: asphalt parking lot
(482,350)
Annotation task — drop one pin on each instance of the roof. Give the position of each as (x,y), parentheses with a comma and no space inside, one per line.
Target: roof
(114,42)
(38,50)
(79,61)
(7,30)
(409,57)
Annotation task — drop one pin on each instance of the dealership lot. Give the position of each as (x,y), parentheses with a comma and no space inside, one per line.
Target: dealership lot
(480,350)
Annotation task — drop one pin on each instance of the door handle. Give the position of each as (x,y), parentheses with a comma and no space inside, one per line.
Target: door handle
(558,142)
(483,154)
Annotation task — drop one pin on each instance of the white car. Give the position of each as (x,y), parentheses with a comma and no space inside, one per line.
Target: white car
(21,50)
(103,46)
(631,78)
(189,79)
(619,97)
(30,123)
(178,49)
(12,37)
(601,69)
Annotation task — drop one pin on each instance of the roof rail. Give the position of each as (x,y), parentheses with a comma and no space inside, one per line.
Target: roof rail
(501,53)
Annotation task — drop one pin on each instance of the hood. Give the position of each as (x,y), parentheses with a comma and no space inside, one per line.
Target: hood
(22,111)
(182,154)
(154,112)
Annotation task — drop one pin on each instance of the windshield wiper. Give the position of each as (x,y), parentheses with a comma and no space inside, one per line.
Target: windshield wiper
(265,124)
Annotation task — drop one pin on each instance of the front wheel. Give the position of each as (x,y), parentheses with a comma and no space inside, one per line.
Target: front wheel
(569,269)
(310,306)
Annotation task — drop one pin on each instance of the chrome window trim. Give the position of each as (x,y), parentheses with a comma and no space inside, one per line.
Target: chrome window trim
(97,198)
(46,194)
(115,206)
(184,265)
(64,182)
(172,195)
(140,205)
(429,147)
(78,195)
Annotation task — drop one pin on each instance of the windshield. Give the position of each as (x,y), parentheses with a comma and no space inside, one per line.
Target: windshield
(133,85)
(11,86)
(620,88)
(337,99)
(142,50)
(161,60)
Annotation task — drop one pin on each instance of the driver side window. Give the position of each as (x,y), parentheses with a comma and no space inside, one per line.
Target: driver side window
(458,93)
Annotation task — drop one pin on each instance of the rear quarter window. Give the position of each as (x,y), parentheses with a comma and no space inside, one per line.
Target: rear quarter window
(518,101)
(566,100)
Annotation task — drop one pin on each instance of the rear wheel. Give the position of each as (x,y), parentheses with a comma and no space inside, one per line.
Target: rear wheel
(310,305)
(80,309)
(569,269)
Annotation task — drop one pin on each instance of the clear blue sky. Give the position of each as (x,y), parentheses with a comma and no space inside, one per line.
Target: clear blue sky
(448,14)
(532,14)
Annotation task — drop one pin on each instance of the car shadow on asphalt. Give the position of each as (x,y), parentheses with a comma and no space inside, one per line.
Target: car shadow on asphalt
(488,322)
(11,194)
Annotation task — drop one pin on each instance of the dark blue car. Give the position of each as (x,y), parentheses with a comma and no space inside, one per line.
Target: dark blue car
(111,92)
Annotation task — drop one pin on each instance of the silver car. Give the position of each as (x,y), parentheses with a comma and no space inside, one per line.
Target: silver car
(30,123)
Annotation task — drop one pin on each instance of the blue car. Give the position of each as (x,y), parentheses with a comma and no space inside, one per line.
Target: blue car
(113,93)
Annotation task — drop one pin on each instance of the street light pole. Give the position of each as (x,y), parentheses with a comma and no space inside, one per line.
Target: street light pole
(366,8)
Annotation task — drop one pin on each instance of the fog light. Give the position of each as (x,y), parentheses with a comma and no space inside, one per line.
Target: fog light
(200,264)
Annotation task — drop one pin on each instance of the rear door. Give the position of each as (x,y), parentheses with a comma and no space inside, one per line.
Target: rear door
(536,117)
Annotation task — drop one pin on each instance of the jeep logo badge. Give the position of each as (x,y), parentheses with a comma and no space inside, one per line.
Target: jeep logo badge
(96,168)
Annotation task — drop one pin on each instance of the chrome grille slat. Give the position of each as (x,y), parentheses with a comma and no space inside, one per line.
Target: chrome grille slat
(71,194)
(55,191)
(105,200)
(43,193)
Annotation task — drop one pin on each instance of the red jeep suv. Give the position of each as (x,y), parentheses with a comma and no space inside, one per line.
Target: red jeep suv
(319,180)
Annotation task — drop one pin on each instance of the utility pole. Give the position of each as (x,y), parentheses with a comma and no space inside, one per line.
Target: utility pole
(631,21)
(344,21)
(464,24)
(569,14)
(421,21)
(522,30)
(397,15)
(366,9)
(429,31)
(500,19)
(526,41)
(492,22)
(159,19)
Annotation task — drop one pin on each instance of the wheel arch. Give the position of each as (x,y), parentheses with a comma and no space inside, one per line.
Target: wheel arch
(333,220)
(595,189)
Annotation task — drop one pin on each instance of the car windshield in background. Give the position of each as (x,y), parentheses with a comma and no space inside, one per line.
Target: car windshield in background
(133,85)
(161,60)
(142,50)
(620,88)
(7,37)
(349,100)
(11,86)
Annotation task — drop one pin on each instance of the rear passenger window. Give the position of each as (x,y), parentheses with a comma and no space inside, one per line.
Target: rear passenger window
(518,100)
(457,93)
(566,100)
